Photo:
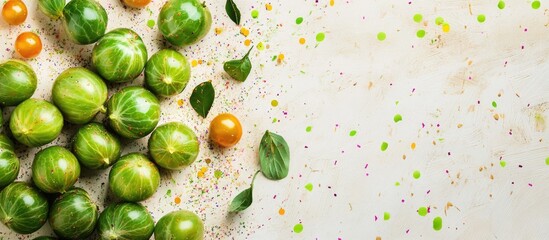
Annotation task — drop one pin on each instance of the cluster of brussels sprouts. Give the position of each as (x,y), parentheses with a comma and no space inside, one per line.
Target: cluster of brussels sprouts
(78,95)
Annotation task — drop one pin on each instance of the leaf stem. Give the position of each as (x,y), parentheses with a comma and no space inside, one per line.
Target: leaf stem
(253,179)
(248,53)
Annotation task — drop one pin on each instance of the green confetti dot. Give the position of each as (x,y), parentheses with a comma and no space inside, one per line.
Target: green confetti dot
(416,174)
(437,223)
(150,23)
(501,5)
(309,129)
(169,193)
(309,187)
(274,120)
(298,228)
(352,133)
(260,46)
(536,4)
(298,20)
(381,36)
(397,184)
(418,17)
(422,211)
(439,21)
(386,216)
(503,163)
(218,174)
(494,104)
(397,118)
(255,13)
(384,146)
(320,37)
(420,33)
(547,161)
(481,18)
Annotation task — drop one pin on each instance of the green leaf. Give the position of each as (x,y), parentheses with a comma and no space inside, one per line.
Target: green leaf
(202,98)
(274,156)
(239,69)
(244,199)
(232,11)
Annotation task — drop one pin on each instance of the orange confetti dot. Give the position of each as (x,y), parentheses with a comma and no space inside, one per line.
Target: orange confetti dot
(280,58)
(180,102)
(269,7)
(194,63)
(177,200)
(200,61)
(302,41)
(218,31)
(202,171)
(413,146)
(247,42)
(281,211)
(332,2)
(378,238)
(244,31)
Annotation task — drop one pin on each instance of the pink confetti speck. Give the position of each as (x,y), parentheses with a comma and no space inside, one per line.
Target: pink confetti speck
(335,163)
(402,201)
(366,166)
(529,184)
(375,218)
(428,191)
(407,231)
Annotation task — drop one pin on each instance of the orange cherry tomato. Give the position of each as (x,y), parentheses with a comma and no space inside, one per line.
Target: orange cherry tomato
(136,3)
(14,12)
(28,45)
(225,130)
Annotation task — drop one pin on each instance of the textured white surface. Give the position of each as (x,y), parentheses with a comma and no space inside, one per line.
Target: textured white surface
(352,81)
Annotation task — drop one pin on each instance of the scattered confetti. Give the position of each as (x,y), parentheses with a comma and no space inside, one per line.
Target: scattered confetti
(381,36)
(501,5)
(481,18)
(309,187)
(177,200)
(422,211)
(298,20)
(416,174)
(352,133)
(268,7)
(150,23)
(274,103)
(281,211)
(320,37)
(218,174)
(397,118)
(418,17)
(439,21)
(301,41)
(437,223)
(255,13)
(386,216)
(536,4)
(420,33)
(384,146)
(298,228)
(308,128)
(446,27)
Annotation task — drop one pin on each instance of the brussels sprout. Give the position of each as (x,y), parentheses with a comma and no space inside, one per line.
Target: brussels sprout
(134,178)
(173,146)
(181,224)
(85,21)
(125,221)
(133,112)
(45,238)
(55,169)
(52,8)
(120,55)
(17,82)
(184,22)
(95,147)
(73,215)
(36,122)
(9,163)
(22,208)
(167,73)
(79,94)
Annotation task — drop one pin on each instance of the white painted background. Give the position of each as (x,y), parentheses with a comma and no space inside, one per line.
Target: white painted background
(352,81)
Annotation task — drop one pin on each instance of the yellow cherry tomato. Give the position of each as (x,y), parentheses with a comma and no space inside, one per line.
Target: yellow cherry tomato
(225,130)
(136,3)
(28,45)
(14,12)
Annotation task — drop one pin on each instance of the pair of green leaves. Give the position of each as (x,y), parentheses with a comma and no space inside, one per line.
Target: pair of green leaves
(239,69)
(232,11)
(274,159)
(202,98)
